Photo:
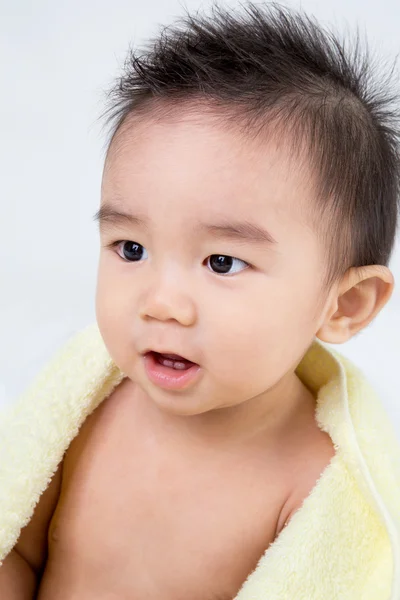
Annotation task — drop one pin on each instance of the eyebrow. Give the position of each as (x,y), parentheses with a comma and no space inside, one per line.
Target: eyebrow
(109,216)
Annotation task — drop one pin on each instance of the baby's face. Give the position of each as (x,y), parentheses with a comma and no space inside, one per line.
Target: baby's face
(243,310)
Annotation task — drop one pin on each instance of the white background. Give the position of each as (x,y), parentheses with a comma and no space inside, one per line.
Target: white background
(57,58)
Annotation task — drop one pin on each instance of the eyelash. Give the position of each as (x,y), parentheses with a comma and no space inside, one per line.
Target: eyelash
(118,242)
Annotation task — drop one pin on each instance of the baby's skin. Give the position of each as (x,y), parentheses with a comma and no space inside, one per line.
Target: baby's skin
(137,511)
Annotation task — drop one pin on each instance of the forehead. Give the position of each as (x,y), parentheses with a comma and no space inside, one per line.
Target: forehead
(192,161)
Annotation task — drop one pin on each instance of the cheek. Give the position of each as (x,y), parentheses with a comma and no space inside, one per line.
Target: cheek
(256,341)
(111,318)
(106,302)
(111,294)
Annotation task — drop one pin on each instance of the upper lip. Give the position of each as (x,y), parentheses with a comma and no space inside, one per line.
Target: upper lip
(167,351)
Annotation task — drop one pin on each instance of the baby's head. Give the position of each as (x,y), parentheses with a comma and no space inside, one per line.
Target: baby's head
(259,167)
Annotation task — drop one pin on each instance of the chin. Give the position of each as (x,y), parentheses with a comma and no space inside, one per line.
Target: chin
(177,404)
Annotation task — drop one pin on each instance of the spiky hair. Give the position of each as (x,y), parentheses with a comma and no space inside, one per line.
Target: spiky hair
(272,66)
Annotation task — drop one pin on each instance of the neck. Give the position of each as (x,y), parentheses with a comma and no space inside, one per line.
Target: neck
(264,421)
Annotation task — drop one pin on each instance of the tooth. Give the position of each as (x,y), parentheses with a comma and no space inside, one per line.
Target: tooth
(174,364)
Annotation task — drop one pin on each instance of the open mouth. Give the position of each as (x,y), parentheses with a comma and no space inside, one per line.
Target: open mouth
(172,360)
(170,371)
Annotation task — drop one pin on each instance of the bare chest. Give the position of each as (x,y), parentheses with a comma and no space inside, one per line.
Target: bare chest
(142,517)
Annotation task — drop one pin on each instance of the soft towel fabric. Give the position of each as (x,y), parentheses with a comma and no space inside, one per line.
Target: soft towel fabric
(344,541)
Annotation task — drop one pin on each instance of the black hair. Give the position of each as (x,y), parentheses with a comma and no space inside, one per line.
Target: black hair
(277,67)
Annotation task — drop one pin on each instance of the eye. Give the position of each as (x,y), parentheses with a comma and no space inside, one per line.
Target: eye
(132,251)
(220,263)
(223,263)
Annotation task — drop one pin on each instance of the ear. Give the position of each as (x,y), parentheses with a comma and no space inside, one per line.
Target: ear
(362,293)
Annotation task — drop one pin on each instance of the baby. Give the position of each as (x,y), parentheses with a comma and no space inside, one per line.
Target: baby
(248,207)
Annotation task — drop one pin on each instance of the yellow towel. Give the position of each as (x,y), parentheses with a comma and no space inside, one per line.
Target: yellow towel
(344,541)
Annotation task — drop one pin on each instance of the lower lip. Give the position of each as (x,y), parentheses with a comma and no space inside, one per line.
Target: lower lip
(167,377)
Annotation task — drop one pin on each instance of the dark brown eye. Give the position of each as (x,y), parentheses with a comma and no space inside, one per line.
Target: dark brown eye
(131,251)
(222,264)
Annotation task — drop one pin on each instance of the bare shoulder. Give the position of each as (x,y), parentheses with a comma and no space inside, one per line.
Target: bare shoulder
(309,466)
(32,543)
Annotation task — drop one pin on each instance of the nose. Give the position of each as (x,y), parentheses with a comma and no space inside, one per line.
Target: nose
(168,299)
